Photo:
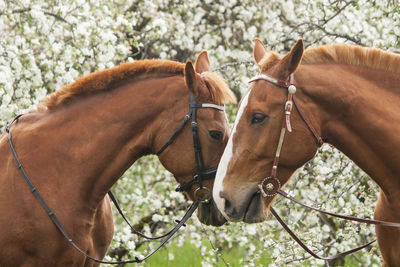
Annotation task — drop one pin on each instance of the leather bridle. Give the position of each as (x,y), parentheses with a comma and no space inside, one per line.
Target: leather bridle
(201,172)
(201,193)
(270,186)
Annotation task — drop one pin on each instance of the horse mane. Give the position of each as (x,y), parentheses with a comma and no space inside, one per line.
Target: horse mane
(343,54)
(353,55)
(111,78)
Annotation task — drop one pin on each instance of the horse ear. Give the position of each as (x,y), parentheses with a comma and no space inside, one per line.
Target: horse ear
(292,60)
(190,78)
(259,50)
(202,62)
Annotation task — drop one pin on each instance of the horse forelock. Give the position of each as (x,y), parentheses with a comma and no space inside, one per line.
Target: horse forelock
(269,59)
(220,92)
(108,79)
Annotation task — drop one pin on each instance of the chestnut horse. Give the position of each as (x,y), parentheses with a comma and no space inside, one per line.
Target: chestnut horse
(83,137)
(350,96)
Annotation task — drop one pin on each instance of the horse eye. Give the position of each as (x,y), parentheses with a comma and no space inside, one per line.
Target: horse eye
(258,118)
(215,135)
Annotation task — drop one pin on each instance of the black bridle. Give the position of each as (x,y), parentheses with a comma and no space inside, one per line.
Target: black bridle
(201,174)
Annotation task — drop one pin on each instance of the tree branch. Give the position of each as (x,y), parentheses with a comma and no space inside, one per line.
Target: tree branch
(23,10)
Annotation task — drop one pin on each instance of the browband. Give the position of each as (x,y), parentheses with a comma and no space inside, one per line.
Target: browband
(208,105)
(270,79)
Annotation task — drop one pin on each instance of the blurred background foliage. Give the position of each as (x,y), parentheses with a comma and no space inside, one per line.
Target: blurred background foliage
(46,44)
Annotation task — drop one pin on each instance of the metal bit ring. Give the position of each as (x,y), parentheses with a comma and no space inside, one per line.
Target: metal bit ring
(203,194)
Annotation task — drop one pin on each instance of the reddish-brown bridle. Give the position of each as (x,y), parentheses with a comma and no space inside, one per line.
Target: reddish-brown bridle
(270,186)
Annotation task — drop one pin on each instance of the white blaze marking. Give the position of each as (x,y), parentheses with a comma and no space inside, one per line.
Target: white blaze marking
(225,160)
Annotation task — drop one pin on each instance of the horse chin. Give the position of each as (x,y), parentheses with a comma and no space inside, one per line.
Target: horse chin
(209,214)
(257,210)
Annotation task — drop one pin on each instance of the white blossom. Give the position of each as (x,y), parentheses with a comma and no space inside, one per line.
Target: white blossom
(39,53)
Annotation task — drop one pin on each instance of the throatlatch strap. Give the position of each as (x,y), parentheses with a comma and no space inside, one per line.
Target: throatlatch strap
(176,133)
(320,142)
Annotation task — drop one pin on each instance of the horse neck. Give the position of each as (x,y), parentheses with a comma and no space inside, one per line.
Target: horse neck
(89,144)
(356,110)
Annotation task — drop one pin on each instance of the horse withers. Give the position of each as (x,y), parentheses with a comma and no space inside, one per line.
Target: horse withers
(349,96)
(83,137)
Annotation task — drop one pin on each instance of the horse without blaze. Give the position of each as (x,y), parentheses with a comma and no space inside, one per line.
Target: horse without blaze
(83,137)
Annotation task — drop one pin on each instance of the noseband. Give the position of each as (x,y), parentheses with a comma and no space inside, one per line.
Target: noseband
(201,172)
(271,185)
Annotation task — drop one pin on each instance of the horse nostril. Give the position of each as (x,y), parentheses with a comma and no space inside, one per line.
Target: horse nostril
(228,208)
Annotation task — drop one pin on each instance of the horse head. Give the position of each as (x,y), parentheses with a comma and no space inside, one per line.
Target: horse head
(200,138)
(252,150)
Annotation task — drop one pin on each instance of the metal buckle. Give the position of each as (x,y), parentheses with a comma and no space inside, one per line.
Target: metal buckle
(269,187)
(203,194)
(289,104)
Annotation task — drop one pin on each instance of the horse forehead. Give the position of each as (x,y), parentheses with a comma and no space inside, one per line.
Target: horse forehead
(213,116)
(250,99)
(265,94)
(261,91)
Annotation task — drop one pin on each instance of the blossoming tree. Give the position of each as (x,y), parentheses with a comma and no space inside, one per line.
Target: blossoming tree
(46,44)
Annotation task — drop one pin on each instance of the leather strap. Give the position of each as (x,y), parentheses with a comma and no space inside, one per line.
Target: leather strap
(188,214)
(286,126)
(175,134)
(270,79)
(205,175)
(117,206)
(304,246)
(58,224)
(346,217)
(320,142)
(198,155)
(207,105)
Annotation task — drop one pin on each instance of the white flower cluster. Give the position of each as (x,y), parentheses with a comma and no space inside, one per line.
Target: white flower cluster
(46,44)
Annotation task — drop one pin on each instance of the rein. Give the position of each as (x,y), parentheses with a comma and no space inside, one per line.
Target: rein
(201,174)
(59,226)
(271,185)
(116,204)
